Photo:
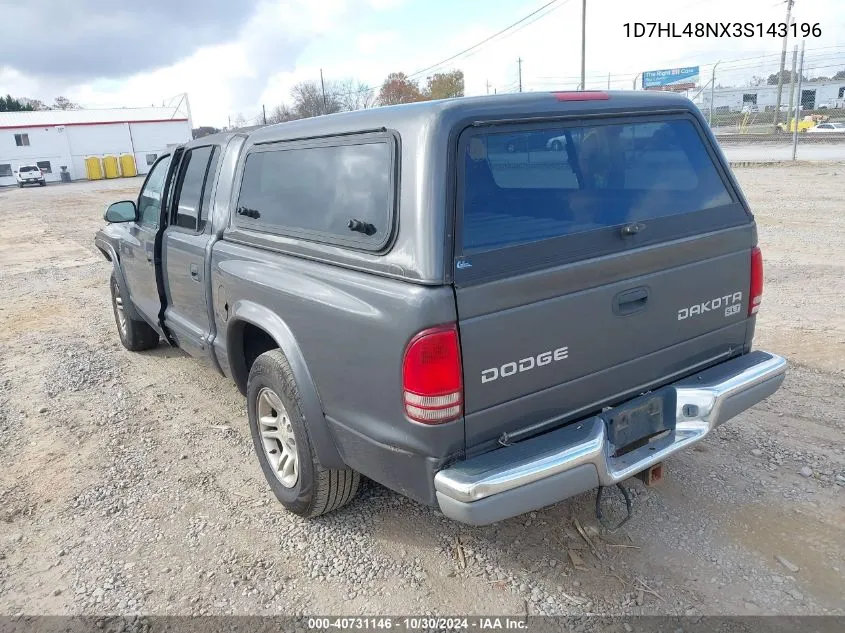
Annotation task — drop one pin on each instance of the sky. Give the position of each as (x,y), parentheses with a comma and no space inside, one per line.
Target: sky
(232,57)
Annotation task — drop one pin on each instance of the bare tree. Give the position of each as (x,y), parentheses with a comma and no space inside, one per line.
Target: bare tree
(356,95)
(309,99)
(280,114)
(63,103)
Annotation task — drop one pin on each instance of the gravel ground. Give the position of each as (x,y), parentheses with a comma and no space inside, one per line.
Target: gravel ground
(129,483)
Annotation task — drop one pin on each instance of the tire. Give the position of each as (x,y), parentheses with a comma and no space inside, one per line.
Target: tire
(20,184)
(135,335)
(43,183)
(306,489)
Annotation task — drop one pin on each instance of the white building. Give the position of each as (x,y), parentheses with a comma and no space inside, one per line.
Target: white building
(56,138)
(814,95)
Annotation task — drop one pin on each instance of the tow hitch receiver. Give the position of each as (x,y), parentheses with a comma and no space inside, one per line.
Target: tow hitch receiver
(653,475)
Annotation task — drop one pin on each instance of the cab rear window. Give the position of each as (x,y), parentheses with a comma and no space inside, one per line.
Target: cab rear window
(526,185)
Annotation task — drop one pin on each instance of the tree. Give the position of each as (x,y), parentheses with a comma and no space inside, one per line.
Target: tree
(445,85)
(239,121)
(10,104)
(397,88)
(355,95)
(280,114)
(204,130)
(787,77)
(35,103)
(756,81)
(839,75)
(63,103)
(310,100)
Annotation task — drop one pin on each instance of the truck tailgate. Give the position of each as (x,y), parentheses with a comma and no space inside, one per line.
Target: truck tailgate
(662,313)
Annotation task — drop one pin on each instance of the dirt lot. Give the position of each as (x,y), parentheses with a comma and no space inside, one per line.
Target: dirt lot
(128,482)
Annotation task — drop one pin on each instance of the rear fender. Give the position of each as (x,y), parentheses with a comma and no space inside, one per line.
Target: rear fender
(243,311)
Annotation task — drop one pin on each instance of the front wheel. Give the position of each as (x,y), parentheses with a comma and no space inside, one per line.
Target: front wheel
(135,335)
(281,440)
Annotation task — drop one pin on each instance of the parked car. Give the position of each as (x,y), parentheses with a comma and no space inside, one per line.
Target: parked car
(30,175)
(828,128)
(485,336)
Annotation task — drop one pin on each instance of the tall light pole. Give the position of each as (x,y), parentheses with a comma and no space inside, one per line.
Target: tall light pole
(634,86)
(789,4)
(798,104)
(584,41)
(712,88)
(792,82)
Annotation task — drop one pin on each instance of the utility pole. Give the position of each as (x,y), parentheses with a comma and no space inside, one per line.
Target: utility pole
(323,87)
(264,113)
(798,103)
(792,82)
(229,127)
(519,63)
(789,4)
(712,90)
(584,41)
(488,86)
(608,81)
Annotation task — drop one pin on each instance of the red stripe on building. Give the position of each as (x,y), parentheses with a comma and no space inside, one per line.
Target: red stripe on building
(21,127)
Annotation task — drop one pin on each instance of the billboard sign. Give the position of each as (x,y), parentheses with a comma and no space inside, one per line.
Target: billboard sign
(671,78)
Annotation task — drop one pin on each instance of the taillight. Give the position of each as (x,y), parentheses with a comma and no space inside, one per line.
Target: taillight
(582,95)
(431,376)
(755,294)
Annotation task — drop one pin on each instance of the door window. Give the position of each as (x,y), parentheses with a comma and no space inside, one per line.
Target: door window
(149,202)
(195,175)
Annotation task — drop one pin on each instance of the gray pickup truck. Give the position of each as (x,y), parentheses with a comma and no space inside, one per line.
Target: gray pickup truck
(486,304)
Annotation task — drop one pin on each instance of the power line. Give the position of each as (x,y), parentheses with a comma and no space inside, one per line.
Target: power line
(485,40)
(515,31)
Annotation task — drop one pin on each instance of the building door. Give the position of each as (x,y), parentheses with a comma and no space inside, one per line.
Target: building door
(808,99)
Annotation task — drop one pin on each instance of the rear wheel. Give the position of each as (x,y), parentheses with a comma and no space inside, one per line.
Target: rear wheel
(134,335)
(43,183)
(282,443)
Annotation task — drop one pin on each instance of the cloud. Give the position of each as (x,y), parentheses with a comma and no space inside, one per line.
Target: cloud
(369,43)
(222,77)
(381,5)
(88,39)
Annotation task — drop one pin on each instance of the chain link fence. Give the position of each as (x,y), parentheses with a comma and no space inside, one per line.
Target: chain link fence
(765,135)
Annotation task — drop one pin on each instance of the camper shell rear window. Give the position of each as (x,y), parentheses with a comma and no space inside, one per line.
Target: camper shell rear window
(565,181)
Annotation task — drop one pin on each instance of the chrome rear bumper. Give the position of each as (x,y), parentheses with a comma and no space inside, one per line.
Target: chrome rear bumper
(557,465)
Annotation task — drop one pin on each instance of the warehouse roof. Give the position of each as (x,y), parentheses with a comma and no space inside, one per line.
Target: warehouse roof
(49,118)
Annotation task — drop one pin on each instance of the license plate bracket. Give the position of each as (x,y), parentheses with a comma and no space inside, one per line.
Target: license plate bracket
(639,419)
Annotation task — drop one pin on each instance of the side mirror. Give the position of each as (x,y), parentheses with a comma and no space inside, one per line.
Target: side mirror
(124,211)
